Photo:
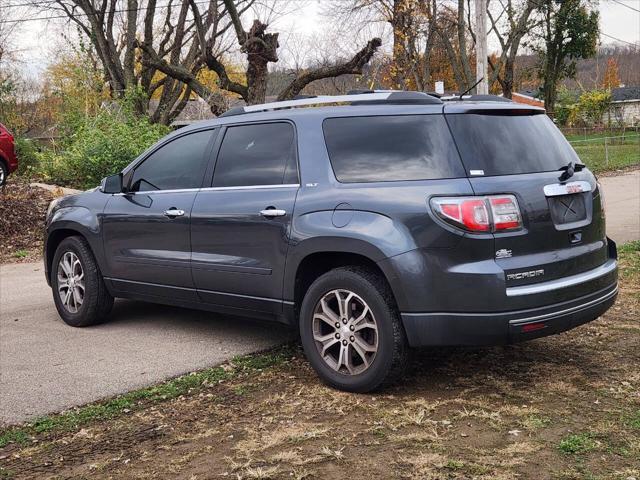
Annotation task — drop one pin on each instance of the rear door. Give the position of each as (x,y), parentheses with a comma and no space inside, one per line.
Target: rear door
(240,225)
(146,230)
(521,152)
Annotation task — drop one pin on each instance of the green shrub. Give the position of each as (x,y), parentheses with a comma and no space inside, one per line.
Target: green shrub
(593,105)
(27,152)
(97,147)
(577,444)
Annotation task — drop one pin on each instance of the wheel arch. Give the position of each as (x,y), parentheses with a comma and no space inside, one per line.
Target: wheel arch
(316,263)
(68,229)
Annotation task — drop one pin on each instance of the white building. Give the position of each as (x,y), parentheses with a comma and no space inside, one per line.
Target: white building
(624,108)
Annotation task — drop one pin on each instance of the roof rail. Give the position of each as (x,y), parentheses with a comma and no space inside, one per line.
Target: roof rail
(476,98)
(356,98)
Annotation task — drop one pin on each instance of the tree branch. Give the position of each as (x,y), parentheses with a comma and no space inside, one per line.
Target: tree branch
(211,61)
(353,66)
(237,24)
(174,71)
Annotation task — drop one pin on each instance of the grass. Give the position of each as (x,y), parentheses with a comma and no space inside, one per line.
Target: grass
(136,399)
(577,443)
(622,153)
(634,420)
(629,257)
(21,254)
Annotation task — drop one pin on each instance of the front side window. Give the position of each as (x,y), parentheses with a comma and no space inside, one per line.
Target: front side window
(179,164)
(391,148)
(261,154)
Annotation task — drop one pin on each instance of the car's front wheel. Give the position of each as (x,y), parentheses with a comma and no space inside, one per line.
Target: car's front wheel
(351,330)
(79,292)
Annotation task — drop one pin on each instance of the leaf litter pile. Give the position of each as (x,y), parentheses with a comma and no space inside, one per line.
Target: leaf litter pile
(563,407)
(22,211)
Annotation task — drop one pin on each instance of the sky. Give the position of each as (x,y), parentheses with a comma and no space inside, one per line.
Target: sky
(39,40)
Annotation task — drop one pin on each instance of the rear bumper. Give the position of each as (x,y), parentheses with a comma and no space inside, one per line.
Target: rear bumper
(450,328)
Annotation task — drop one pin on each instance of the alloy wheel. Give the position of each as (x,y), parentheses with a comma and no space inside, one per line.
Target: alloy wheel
(71,282)
(345,332)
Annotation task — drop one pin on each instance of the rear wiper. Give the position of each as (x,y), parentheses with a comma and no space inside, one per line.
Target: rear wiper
(569,169)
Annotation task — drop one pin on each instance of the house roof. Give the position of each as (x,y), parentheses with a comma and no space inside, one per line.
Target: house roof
(529,93)
(622,94)
(194,110)
(197,110)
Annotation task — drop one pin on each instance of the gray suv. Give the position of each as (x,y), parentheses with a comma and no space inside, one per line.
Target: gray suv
(385,221)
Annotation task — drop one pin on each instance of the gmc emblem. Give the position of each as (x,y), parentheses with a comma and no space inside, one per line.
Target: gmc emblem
(574,188)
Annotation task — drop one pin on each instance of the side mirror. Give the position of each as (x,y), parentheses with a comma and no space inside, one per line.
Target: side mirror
(112,184)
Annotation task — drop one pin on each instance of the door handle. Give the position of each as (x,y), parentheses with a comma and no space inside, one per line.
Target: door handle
(271,212)
(173,212)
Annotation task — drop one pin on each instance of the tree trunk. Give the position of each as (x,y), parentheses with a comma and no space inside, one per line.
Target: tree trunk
(261,48)
(399,24)
(256,81)
(462,46)
(507,81)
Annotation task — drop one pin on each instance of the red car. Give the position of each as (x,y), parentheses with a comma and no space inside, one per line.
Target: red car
(8,159)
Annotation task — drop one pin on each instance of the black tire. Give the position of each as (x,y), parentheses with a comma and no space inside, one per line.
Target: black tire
(390,358)
(4,173)
(97,301)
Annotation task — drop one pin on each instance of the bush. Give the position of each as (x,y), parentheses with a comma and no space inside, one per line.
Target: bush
(593,105)
(97,147)
(27,152)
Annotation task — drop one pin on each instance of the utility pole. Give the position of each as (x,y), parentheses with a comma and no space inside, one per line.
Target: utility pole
(481,47)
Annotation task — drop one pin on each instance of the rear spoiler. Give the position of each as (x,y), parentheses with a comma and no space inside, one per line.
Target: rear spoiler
(497,108)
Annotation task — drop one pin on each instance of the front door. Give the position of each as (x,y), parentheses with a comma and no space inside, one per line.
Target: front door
(146,230)
(240,226)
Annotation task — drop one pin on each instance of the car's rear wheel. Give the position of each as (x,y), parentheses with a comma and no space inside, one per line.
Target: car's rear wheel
(79,292)
(4,173)
(351,330)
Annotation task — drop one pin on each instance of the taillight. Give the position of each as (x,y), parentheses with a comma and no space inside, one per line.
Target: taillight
(505,212)
(468,212)
(479,214)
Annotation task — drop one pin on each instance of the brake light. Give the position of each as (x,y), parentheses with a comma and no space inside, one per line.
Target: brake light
(479,214)
(468,212)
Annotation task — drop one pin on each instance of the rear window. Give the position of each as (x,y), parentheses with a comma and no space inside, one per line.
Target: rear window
(391,148)
(510,144)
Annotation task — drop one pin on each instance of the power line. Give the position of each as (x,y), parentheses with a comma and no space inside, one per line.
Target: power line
(82,14)
(30,4)
(619,40)
(625,5)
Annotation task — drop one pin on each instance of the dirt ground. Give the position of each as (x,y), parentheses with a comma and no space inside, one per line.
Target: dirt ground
(22,211)
(563,407)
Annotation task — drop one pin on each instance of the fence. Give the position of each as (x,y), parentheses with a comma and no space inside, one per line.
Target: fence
(587,132)
(606,152)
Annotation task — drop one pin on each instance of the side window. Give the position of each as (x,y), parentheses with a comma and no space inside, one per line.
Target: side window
(178,164)
(263,154)
(391,148)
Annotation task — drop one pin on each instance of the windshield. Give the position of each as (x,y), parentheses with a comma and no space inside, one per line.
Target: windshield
(510,144)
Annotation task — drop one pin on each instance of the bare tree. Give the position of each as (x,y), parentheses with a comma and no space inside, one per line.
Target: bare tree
(511,23)
(453,28)
(260,48)
(125,33)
